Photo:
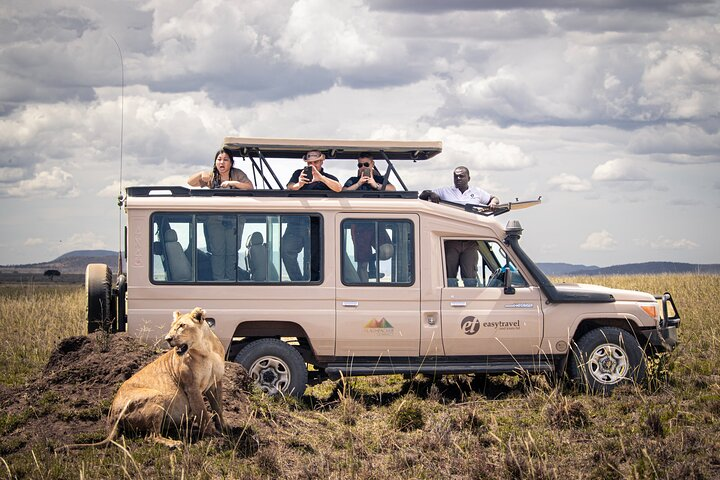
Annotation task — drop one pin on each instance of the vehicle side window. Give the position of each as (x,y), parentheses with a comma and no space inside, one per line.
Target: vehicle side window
(172,249)
(377,252)
(228,248)
(479,263)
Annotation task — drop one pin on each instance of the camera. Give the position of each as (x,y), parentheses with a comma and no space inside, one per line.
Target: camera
(307,171)
(365,172)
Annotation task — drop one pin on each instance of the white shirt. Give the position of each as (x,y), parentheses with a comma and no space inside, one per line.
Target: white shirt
(474,196)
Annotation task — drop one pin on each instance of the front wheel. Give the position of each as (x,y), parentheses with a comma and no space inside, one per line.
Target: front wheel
(604,358)
(276,367)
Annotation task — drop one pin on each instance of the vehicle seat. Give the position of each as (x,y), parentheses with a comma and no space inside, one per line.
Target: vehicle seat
(179,267)
(256,259)
(350,274)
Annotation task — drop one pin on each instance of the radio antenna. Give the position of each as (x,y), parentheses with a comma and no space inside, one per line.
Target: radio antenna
(122,128)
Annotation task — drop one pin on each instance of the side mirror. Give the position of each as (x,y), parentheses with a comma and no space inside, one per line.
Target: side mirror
(507,281)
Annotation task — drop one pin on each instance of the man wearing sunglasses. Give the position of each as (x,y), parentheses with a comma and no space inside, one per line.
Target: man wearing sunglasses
(363,236)
(368,178)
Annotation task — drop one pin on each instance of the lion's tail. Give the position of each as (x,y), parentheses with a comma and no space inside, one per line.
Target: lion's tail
(111,436)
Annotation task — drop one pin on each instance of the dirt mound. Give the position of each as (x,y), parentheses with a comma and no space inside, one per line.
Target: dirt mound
(69,401)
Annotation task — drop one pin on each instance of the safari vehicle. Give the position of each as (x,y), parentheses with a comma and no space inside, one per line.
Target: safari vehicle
(403,317)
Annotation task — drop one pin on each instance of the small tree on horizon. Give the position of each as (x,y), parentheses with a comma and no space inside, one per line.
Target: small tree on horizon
(52,274)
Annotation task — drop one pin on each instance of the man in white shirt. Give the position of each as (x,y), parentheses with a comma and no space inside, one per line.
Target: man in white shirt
(461,253)
(462,192)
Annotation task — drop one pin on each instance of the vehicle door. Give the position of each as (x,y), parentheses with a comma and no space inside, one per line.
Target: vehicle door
(478,316)
(377,292)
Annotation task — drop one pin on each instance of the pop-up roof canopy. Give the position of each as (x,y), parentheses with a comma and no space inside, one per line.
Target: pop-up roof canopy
(296,148)
(264,148)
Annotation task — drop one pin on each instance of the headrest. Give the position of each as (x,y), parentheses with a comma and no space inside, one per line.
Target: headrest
(170,235)
(255,239)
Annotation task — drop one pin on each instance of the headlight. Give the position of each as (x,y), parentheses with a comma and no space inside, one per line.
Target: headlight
(652,310)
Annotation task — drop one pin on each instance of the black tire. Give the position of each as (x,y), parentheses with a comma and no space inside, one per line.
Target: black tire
(98,289)
(604,358)
(274,366)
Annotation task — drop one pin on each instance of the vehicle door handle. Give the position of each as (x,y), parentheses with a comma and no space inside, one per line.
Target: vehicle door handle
(458,304)
(350,304)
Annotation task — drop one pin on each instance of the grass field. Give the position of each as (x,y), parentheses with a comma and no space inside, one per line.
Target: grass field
(387,427)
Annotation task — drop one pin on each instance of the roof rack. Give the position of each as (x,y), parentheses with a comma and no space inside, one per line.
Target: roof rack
(176,191)
(264,148)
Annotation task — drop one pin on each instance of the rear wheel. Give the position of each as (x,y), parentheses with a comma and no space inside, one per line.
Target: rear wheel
(606,357)
(98,290)
(274,366)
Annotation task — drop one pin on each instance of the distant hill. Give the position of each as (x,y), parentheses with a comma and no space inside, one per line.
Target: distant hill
(73,262)
(564,268)
(651,268)
(87,253)
(647,268)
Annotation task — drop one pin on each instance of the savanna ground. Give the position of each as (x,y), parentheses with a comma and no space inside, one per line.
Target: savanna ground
(56,387)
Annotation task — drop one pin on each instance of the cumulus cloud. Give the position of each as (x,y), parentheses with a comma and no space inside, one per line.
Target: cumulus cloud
(601,240)
(682,143)
(569,183)
(53,183)
(666,243)
(84,241)
(11,174)
(618,170)
(32,242)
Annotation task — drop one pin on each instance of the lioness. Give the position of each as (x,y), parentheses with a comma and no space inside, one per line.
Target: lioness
(168,393)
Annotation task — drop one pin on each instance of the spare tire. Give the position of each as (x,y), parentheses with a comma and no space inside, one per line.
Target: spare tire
(98,290)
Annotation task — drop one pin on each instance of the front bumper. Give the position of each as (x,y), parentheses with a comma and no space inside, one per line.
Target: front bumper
(664,338)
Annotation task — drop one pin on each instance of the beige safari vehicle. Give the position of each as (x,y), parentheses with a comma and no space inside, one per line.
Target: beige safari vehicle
(283,275)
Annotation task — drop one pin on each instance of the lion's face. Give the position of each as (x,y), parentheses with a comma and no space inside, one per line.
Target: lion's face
(185,330)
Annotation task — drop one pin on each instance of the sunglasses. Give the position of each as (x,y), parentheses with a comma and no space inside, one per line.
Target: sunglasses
(366,164)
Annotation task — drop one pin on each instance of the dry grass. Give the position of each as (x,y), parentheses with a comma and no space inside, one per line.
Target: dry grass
(33,318)
(457,427)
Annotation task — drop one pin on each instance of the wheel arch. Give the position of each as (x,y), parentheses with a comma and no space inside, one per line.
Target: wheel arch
(585,325)
(625,323)
(290,332)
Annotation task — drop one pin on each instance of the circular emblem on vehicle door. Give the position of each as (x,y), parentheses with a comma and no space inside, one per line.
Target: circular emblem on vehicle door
(470,325)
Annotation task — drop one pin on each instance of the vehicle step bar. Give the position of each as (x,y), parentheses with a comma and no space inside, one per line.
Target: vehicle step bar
(334,371)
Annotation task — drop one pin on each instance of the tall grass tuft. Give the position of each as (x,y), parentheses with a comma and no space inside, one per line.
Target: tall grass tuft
(33,319)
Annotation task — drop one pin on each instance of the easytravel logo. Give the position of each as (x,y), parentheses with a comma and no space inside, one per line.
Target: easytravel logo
(471,325)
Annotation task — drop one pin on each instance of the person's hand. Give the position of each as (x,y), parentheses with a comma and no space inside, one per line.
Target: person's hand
(316,176)
(434,197)
(227,184)
(206,177)
(494,202)
(372,182)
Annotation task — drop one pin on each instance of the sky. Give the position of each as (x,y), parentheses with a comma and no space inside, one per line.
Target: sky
(608,109)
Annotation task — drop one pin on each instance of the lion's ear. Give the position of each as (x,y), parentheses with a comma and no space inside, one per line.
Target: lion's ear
(176,315)
(198,314)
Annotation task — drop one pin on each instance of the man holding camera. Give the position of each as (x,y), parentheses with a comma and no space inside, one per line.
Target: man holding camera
(368,177)
(363,236)
(299,234)
(313,177)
